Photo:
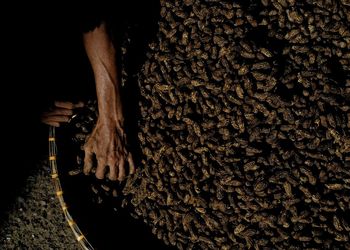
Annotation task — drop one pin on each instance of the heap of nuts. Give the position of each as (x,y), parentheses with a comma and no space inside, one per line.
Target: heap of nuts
(245,125)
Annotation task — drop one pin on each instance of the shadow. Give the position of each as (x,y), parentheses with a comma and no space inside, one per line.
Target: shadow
(49,63)
(21,141)
(106,225)
(133,26)
(140,29)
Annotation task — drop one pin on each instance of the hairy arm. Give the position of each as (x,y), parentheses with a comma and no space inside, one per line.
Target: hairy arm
(108,139)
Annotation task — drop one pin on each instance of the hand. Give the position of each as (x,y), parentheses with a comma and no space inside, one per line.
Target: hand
(61,112)
(108,143)
(108,140)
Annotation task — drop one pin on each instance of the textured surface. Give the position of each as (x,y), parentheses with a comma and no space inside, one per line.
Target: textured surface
(245,125)
(36,220)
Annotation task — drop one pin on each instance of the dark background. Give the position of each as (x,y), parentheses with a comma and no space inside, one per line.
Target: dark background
(43,60)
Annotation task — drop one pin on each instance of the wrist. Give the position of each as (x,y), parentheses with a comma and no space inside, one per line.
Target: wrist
(117,120)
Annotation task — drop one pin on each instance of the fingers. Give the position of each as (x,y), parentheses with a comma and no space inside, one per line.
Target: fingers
(113,170)
(101,169)
(68,105)
(117,171)
(55,118)
(65,105)
(79,105)
(88,161)
(60,111)
(110,158)
(121,173)
(54,124)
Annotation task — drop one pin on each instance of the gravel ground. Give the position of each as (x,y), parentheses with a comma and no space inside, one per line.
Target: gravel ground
(36,220)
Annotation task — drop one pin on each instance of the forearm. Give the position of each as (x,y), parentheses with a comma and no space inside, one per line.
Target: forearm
(107,142)
(101,54)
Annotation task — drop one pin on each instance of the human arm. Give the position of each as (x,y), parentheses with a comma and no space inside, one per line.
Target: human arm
(61,112)
(108,139)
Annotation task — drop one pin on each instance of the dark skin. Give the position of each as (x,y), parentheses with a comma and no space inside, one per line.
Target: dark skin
(107,141)
(61,112)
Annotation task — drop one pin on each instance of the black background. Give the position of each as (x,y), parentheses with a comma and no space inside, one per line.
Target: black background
(44,60)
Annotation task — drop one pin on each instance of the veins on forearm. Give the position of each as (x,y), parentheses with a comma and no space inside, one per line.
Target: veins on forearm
(101,53)
(108,94)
